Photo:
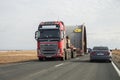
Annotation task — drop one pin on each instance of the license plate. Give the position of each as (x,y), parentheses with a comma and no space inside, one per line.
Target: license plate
(100,54)
(48,56)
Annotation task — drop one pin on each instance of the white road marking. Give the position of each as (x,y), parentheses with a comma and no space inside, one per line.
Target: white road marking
(116,68)
(59,65)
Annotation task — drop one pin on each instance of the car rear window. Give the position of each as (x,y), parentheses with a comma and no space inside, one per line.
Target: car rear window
(100,48)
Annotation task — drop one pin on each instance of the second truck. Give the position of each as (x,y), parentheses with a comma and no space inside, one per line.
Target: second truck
(53,40)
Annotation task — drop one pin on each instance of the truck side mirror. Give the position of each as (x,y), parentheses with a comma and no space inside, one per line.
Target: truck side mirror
(37,35)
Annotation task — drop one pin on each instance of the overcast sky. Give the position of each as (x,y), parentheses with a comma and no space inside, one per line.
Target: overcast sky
(19,20)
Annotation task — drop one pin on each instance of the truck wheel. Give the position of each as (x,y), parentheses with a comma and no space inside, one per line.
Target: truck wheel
(66,55)
(73,54)
(62,59)
(70,54)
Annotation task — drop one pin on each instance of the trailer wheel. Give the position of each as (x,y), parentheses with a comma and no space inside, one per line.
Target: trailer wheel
(74,54)
(70,54)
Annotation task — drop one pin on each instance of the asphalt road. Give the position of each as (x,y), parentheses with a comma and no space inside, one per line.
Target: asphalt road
(75,69)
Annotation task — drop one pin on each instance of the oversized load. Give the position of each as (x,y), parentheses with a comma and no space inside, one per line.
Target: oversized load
(78,37)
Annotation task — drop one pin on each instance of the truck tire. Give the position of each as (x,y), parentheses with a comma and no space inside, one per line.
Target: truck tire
(66,55)
(70,54)
(62,58)
(73,54)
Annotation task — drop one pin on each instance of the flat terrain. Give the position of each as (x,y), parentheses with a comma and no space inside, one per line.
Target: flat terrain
(116,57)
(76,69)
(116,54)
(17,56)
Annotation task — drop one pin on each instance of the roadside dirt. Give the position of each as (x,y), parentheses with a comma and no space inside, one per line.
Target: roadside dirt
(17,56)
(116,57)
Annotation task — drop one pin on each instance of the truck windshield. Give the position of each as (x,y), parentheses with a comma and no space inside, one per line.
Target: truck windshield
(49,34)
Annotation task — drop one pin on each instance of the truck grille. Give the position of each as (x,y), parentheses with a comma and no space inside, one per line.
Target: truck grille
(49,49)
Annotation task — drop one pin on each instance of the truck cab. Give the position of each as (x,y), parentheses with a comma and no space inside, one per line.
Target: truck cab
(50,38)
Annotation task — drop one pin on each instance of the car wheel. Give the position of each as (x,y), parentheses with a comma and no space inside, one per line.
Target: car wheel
(109,61)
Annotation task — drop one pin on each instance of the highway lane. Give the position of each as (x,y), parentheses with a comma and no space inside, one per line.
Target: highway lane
(75,69)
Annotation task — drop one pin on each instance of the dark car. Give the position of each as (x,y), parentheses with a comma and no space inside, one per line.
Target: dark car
(100,53)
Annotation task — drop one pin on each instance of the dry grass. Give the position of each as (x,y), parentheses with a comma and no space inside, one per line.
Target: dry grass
(116,55)
(17,56)
(117,52)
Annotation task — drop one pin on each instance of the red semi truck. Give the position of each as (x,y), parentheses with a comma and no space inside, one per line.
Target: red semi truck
(52,41)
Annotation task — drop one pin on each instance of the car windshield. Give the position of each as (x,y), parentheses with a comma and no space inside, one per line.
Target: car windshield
(100,48)
(49,33)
